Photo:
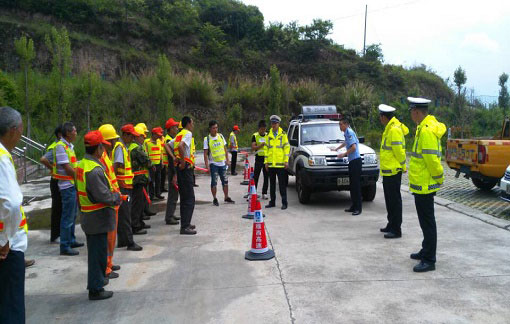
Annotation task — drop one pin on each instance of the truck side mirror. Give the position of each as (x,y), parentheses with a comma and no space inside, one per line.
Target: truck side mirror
(293,142)
(361,139)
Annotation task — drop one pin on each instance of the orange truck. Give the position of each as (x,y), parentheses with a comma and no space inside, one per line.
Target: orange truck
(482,160)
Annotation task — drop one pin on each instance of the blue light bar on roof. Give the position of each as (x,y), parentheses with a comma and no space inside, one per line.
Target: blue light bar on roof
(320,109)
(321,116)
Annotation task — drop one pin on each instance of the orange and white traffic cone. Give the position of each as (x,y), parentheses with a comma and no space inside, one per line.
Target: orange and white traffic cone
(251,212)
(259,249)
(246,180)
(247,196)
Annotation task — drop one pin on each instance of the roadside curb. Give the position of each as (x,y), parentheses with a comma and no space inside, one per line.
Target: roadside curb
(473,213)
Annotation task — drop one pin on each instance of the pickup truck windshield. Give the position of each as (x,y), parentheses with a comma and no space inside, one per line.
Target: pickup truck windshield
(321,133)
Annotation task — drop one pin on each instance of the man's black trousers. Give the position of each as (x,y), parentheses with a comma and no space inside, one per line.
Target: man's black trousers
(281,173)
(124,230)
(138,202)
(155,181)
(187,193)
(425,209)
(56,209)
(259,166)
(12,288)
(233,162)
(393,199)
(97,257)
(173,195)
(355,183)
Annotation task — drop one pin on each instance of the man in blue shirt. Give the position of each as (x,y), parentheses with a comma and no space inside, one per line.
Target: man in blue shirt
(352,145)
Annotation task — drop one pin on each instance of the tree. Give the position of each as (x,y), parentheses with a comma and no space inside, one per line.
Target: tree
(460,78)
(374,53)
(275,91)
(318,30)
(26,53)
(59,46)
(504,98)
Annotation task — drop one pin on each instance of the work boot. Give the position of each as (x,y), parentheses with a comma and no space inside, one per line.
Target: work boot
(384,229)
(188,231)
(229,200)
(106,281)
(115,267)
(192,226)
(284,206)
(177,217)
(29,263)
(215,202)
(270,205)
(356,213)
(424,267)
(391,235)
(77,245)
(140,232)
(112,275)
(69,252)
(415,256)
(349,210)
(100,295)
(172,221)
(134,247)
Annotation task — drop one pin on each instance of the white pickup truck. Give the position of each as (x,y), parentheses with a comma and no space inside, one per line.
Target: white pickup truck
(317,168)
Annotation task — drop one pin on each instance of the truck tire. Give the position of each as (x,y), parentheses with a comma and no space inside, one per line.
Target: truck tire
(484,184)
(368,192)
(304,193)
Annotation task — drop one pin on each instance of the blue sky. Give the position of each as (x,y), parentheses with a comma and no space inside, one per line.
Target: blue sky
(440,34)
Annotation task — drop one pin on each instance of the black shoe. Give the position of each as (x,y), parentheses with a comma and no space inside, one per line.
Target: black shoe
(195,185)
(177,217)
(115,267)
(424,267)
(112,275)
(121,246)
(391,235)
(270,205)
(140,232)
(69,252)
(215,202)
(29,263)
(192,226)
(415,256)
(150,213)
(384,229)
(234,173)
(106,281)
(172,221)
(349,210)
(146,218)
(100,295)
(188,231)
(284,206)
(356,213)
(229,200)
(77,245)
(134,247)
(160,197)
(146,226)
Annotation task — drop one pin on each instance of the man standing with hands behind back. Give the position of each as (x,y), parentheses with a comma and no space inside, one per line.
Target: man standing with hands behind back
(352,144)
(277,161)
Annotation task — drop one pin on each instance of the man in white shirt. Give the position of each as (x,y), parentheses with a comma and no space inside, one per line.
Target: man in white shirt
(216,160)
(13,236)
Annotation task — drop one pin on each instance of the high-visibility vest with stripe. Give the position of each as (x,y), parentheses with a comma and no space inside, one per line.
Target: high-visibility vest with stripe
(216,147)
(23,224)
(178,140)
(278,149)
(83,169)
(259,139)
(54,162)
(73,162)
(236,146)
(425,168)
(393,148)
(109,171)
(164,155)
(154,151)
(125,173)
(143,171)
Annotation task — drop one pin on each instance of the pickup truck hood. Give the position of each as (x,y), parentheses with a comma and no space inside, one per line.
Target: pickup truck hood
(324,149)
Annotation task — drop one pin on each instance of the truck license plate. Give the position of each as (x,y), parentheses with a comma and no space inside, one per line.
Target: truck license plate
(342,181)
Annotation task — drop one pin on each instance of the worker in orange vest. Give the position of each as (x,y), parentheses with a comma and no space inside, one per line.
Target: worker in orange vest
(153,148)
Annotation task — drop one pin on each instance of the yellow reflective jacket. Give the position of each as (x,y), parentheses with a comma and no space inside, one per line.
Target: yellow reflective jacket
(393,148)
(425,168)
(278,149)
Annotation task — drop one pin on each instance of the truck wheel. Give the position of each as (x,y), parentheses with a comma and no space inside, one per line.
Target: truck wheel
(368,192)
(483,184)
(304,193)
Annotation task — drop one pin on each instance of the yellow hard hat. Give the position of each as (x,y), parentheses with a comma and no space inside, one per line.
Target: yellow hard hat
(143,126)
(139,129)
(180,124)
(108,132)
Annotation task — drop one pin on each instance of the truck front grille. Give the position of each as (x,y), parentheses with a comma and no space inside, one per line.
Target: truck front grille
(333,160)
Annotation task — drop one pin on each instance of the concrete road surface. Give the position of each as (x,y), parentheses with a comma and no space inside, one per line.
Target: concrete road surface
(330,267)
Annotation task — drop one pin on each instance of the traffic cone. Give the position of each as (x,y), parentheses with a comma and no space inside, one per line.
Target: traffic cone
(247,196)
(259,249)
(251,212)
(246,180)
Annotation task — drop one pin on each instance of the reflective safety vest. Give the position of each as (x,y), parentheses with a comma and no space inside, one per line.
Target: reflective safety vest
(425,168)
(259,139)
(143,171)
(73,162)
(393,148)
(54,162)
(83,169)
(216,147)
(109,171)
(164,155)
(154,151)
(236,146)
(125,173)
(278,149)
(23,224)
(178,140)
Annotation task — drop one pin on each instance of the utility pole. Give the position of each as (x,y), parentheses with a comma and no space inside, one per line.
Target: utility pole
(365,33)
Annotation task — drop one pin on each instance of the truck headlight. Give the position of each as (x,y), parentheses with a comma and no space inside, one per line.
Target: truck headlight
(316,160)
(370,158)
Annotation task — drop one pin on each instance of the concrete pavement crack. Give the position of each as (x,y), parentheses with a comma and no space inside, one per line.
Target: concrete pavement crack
(287,298)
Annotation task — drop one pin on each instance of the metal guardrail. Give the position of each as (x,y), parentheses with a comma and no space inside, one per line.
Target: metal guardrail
(30,151)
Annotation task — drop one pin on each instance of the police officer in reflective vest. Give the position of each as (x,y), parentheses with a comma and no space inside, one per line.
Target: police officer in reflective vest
(277,161)
(185,161)
(97,199)
(393,163)
(425,178)
(258,145)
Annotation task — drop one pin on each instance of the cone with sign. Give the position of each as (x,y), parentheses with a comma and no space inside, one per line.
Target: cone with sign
(250,189)
(251,212)
(246,180)
(259,249)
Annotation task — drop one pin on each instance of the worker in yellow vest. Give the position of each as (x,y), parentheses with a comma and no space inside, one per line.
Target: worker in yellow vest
(393,163)
(173,192)
(425,178)
(164,163)
(140,127)
(277,161)
(64,172)
(234,147)
(13,233)
(56,200)
(98,200)
(185,161)
(216,161)
(153,147)
(258,145)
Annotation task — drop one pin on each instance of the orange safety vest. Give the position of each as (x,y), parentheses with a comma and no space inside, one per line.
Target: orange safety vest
(72,161)
(154,151)
(125,174)
(164,155)
(23,224)
(178,140)
(109,171)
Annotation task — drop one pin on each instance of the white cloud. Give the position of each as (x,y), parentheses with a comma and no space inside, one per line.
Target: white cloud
(480,41)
